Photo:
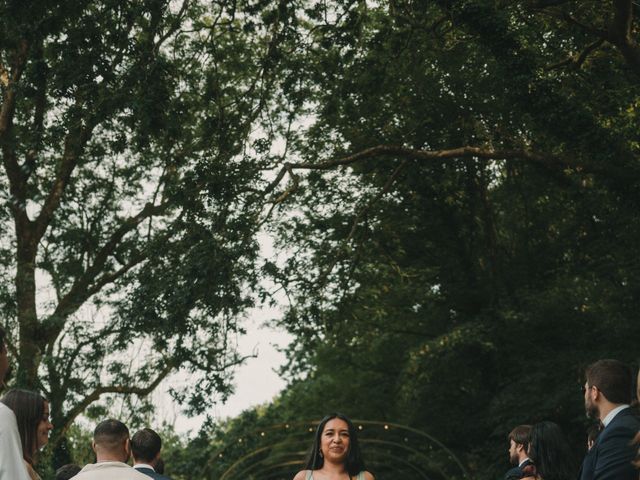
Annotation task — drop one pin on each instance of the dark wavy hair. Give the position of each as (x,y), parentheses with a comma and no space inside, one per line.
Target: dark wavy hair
(28,408)
(550,452)
(353,464)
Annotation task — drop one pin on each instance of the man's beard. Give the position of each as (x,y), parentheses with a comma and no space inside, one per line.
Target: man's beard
(513,458)
(591,411)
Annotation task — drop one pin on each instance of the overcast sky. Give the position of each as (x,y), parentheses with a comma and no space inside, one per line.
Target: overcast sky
(256,381)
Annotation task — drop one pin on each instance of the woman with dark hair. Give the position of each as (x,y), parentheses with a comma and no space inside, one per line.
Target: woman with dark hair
(32,415)
(550,453)
(335,453)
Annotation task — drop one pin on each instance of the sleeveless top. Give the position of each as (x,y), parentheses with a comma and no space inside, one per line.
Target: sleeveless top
(360,476)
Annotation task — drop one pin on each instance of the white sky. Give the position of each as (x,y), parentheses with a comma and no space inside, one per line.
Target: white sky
(256,381)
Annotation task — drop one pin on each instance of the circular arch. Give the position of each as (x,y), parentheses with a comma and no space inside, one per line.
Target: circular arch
(275,452)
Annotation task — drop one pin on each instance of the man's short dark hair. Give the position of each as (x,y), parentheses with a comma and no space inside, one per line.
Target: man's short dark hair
(613,378)
(110,433)
(145,445)
(67,471)
(520,435)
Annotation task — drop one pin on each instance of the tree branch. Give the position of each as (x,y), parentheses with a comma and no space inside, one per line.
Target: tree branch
(17,179)
(577,61)
(587,28)
(9,81)
(40,103)
(73,146)
(120,389)
(619,33)
(70,357)
(174,27)
(362,214)
(620,27)
(549,161)
(549,3)
(410,153)
(108,278)
(81,289)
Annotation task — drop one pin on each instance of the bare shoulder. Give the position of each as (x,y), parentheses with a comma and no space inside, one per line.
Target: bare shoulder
(368,476)
(301,475)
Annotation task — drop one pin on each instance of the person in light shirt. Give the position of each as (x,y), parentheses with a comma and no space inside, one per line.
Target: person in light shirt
(112,448)
(11,464)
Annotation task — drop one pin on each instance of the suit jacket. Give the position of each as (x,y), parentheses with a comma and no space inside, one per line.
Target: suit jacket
(611,456)
(151,473)
(516,472)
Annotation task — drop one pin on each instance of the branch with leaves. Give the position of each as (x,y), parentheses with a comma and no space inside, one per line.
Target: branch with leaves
(466,152)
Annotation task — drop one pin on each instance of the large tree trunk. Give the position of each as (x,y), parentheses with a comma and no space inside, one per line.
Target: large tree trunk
(30,354)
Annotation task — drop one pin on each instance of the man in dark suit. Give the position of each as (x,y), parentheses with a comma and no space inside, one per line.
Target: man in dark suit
(607,395)
(145,447)
(518,446)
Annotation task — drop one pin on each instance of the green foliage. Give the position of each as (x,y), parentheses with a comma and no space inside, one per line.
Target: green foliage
(462,296)
(459,295)
(130,194)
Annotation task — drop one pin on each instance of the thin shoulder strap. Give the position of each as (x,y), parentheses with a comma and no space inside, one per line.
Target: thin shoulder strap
(309,474)
(361,475)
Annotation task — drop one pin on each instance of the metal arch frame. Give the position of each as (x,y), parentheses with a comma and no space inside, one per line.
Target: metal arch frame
(422,434)
(244,472)
(253,453)
(217,453)
(403,447)
(422,474)
(287,425)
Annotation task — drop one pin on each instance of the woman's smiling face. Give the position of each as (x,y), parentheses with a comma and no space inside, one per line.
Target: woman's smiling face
(335,440)
(44,426)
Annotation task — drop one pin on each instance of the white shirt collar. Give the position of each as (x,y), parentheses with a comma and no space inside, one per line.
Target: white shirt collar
(526,459)
(143,465)
(607,420)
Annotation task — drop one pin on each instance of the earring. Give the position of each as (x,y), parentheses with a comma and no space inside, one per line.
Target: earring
(320,453)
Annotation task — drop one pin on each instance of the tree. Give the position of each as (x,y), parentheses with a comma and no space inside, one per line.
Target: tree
(131,192)
(463,239)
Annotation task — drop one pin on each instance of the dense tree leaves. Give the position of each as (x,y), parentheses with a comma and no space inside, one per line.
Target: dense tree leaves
(130,192)
(463,295)
(475,246)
